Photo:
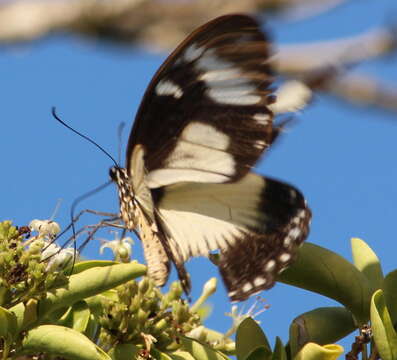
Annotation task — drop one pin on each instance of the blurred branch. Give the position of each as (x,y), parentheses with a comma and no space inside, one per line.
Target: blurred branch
(302,10)
(364,90)
(322,66)
(297,59)
(163,24)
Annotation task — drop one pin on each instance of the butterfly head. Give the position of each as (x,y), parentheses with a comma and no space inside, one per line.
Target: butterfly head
(126,195)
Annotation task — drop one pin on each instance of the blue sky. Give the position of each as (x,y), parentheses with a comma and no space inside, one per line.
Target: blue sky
(343,158)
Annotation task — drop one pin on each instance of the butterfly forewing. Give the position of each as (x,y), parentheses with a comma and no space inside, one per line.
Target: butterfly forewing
(203,123)
(204,116)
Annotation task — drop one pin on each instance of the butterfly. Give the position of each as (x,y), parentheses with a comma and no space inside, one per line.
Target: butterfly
(187,187)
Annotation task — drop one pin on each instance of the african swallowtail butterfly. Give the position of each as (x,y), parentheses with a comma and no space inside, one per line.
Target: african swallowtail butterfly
(187,187)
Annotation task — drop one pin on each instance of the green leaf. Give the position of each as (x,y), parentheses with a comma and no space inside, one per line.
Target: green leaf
(260,353)
(85,284)
(200,351)
(181,355)
(279,352)
(323,326)
(294,343)
(90,282)
(324,272)
(77,317)
(382,327)
(92,327)
(367,262)
(63,342)
(390,294)
(313,351)
(26,314)
(85,265)
(158,355)
(249,336)
(124,352)
(8,324)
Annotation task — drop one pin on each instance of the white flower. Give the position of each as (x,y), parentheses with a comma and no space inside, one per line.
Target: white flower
(56,257)
(45,228)
(121,248)
(239,316)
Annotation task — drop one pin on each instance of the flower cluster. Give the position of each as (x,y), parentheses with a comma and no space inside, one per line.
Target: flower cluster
(138,309)
(27,265)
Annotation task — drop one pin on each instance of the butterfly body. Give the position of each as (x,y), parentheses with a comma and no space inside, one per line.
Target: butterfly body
(187,188)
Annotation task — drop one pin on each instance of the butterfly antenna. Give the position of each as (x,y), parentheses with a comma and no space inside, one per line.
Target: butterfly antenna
(85,196)
(120,130)
(56,117)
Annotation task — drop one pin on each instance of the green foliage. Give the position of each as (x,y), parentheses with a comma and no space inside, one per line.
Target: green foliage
(102,311)
(23,275)
(140,308)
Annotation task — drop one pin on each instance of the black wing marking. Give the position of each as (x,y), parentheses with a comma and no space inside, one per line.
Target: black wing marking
(204,116)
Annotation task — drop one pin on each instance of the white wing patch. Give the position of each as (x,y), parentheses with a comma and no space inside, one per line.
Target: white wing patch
(263,118)
(205,134)
(221,75)
(205,217)
(167,87)
(200,155)
(234,96)
(210,61)
(162,177)
(226,83)
(192,53)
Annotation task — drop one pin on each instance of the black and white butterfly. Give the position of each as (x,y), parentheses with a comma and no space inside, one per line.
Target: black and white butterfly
(187,187)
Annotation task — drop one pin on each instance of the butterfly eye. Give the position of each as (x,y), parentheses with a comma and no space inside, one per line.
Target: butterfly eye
(113,173)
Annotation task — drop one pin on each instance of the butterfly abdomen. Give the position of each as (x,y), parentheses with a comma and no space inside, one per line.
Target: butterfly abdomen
(136,220)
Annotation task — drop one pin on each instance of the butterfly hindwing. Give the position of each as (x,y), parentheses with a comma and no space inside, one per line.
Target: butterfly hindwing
(207,101)
(256,224)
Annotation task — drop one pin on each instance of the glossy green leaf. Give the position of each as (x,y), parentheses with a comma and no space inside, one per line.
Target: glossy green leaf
(249,336)
(85,284)
(367,262)
(260,353)
(124,352)
(8,324)
(294,344)
(200,351)
(324,272)
(323,326)
(279,352)
(390,294)
(85,265)
(63,342)
(91,282)
(312,351)
(382,328)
